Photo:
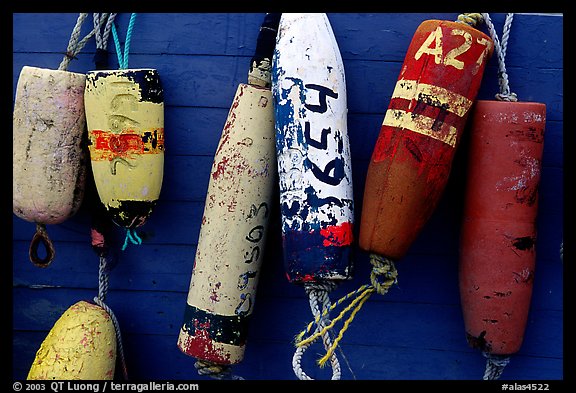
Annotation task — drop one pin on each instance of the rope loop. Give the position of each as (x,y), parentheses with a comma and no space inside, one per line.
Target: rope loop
(123,55)
(472,19)
(320,305)
(216,371)
(41,236)
(132,237)
(500,49)
(383,274)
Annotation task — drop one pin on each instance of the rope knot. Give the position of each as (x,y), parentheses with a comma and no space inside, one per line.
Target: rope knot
(383,275)
(495,365)
(472,19)
(216,371)
(511,97)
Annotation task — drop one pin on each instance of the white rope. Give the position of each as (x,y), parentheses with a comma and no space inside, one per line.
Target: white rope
(75,46)
(105,21)
(500,49)
(494,366)
(99,300)
(319,303)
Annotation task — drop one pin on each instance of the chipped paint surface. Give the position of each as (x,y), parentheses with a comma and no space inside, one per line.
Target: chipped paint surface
(314,165)
(233,232)
(125,118)
(49,164)
(412,158)
(498,239)
(80,345)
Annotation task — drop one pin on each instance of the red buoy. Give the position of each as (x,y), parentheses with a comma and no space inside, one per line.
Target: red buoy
(412,159)
(498,238)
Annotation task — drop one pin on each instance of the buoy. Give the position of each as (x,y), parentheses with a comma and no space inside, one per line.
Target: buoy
(412,158)
(498,234)
(313,153)
(233,232)
(80,345)
(498,237)
(411,161)
(125,117)
(48,159)
(48,156)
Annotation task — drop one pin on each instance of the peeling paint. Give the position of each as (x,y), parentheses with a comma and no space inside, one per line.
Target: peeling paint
(125,119)
(313,153)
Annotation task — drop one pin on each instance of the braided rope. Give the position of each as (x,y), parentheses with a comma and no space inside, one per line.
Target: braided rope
(103,20)
(500,49)
(103,283)
(123,55)
(132,237)
(494,366)
(382,277)
(75,46)
(472,19)
(320,306)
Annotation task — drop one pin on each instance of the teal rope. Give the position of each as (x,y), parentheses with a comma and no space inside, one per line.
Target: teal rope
(123,55)
(131,236)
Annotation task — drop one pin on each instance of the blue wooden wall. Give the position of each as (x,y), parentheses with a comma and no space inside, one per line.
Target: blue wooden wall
(414,332)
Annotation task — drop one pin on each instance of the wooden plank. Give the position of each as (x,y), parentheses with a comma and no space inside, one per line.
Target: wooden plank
(364,362)
(358,34)
(400,324)
(415,332)
(211,81)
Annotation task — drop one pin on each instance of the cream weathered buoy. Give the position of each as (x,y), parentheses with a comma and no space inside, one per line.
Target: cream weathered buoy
(80,345)
(125,118)
(49,161)
(232,237)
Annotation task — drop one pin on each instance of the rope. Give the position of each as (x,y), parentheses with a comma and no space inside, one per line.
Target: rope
(103,281)
(494,365)
(41,236)
(123,56)
(75,46)
(382,277)
(472,19)
(320,305)
(500,49)
(102,25)
(132,236)
(216,371)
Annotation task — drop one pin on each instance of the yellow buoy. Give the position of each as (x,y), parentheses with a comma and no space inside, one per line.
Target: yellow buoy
(80,345)
(125,119)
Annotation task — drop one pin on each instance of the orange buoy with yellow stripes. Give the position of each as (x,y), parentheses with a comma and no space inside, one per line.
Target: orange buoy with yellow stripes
(412,158)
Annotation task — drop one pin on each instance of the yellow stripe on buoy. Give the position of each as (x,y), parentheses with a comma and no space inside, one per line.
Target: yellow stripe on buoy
(80,345)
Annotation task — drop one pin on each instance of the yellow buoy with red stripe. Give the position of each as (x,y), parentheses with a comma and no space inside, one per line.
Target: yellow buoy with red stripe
(80,345)
(125,118)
